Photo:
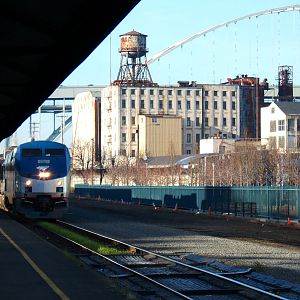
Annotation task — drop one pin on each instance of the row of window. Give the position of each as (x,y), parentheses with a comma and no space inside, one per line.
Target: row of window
(280,125)
(160,92)
(216,93)
(189,121)
(179,104)
(224,105)
(216,122)
(179,92)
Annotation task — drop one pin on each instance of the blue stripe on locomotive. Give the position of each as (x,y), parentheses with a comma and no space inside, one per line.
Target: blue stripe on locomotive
(28,166)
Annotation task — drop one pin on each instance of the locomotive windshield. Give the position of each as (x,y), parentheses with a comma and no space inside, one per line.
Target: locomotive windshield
(31,152)
(54,152)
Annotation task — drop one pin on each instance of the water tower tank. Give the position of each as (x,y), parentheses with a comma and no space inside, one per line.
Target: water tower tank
(133,44)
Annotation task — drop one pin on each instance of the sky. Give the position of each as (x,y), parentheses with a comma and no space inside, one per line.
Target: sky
(255,46)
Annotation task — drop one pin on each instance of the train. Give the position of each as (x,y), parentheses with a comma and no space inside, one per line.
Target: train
(36,180)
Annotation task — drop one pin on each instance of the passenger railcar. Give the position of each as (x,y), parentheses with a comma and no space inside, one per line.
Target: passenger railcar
(36,179)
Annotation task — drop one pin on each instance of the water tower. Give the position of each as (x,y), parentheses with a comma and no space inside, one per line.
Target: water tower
(133,72)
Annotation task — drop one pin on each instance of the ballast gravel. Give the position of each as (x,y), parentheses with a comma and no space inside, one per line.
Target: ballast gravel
(267,248)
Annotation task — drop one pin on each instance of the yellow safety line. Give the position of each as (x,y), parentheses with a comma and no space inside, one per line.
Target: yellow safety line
(52,285)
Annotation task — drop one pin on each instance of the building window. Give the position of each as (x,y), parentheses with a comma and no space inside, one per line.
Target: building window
(154,120)
(160,92)
(215,105)
(179,92)
(179,104)
(123,105)
(188,122)
(151,92)
(215,93)
(188,138)
(188,92)
(298,124)
(206,122)
(215,122)
(123,91)
(233,122)
(123,120)
(197,121)
(272,126)
(233,135)
(170,92)
(123,152)
(132,153)
(132,120)
(197,105)
(281,125)
(272,142)
(143,92)
(133,137)
(291,125)
(281,142)
(206,93)
(132,103)
(160,104)
(206,136)
(224,93)
(151,104)
(197,138)
(132,91)
(205,104)
(197,93)
(224,105)
(170,104)
(233,93)
(233,105)
(188,151)
(188,104)
(224,122)
(123,137)
(142,104)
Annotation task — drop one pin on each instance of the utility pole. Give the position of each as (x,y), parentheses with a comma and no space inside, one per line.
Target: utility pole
(92,161)
(62,127)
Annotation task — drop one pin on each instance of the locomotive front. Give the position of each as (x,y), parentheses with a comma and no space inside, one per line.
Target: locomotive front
(42,180)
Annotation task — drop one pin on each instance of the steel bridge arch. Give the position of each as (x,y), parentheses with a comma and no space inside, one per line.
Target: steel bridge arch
(213,28)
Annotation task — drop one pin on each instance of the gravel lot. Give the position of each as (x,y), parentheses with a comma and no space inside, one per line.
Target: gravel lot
(269,248)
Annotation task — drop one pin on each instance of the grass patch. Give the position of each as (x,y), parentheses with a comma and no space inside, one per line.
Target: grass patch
(81,239)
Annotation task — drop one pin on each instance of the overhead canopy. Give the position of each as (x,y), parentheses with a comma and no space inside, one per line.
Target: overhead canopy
(41,43)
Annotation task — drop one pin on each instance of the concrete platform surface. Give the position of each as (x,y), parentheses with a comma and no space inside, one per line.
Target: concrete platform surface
(31,268)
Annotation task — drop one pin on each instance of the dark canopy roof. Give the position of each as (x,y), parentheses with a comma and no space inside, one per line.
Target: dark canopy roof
(41,43)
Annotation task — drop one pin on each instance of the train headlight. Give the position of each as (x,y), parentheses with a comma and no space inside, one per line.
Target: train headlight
(44,175)
(59,182)
(28,182)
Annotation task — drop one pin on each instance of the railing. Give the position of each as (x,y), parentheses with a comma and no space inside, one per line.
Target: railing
(269,202)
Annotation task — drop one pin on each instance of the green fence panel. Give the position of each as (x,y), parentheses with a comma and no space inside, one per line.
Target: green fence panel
(255,201)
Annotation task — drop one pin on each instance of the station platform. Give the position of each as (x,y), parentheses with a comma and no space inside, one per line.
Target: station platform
(32,268)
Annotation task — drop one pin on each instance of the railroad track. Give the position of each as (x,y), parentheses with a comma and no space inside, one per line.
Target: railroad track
(155,276)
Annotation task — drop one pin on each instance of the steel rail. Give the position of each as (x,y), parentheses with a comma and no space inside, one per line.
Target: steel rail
(217,275)
(213,28)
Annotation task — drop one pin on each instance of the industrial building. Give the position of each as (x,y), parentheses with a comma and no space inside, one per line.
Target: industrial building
(228,110)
